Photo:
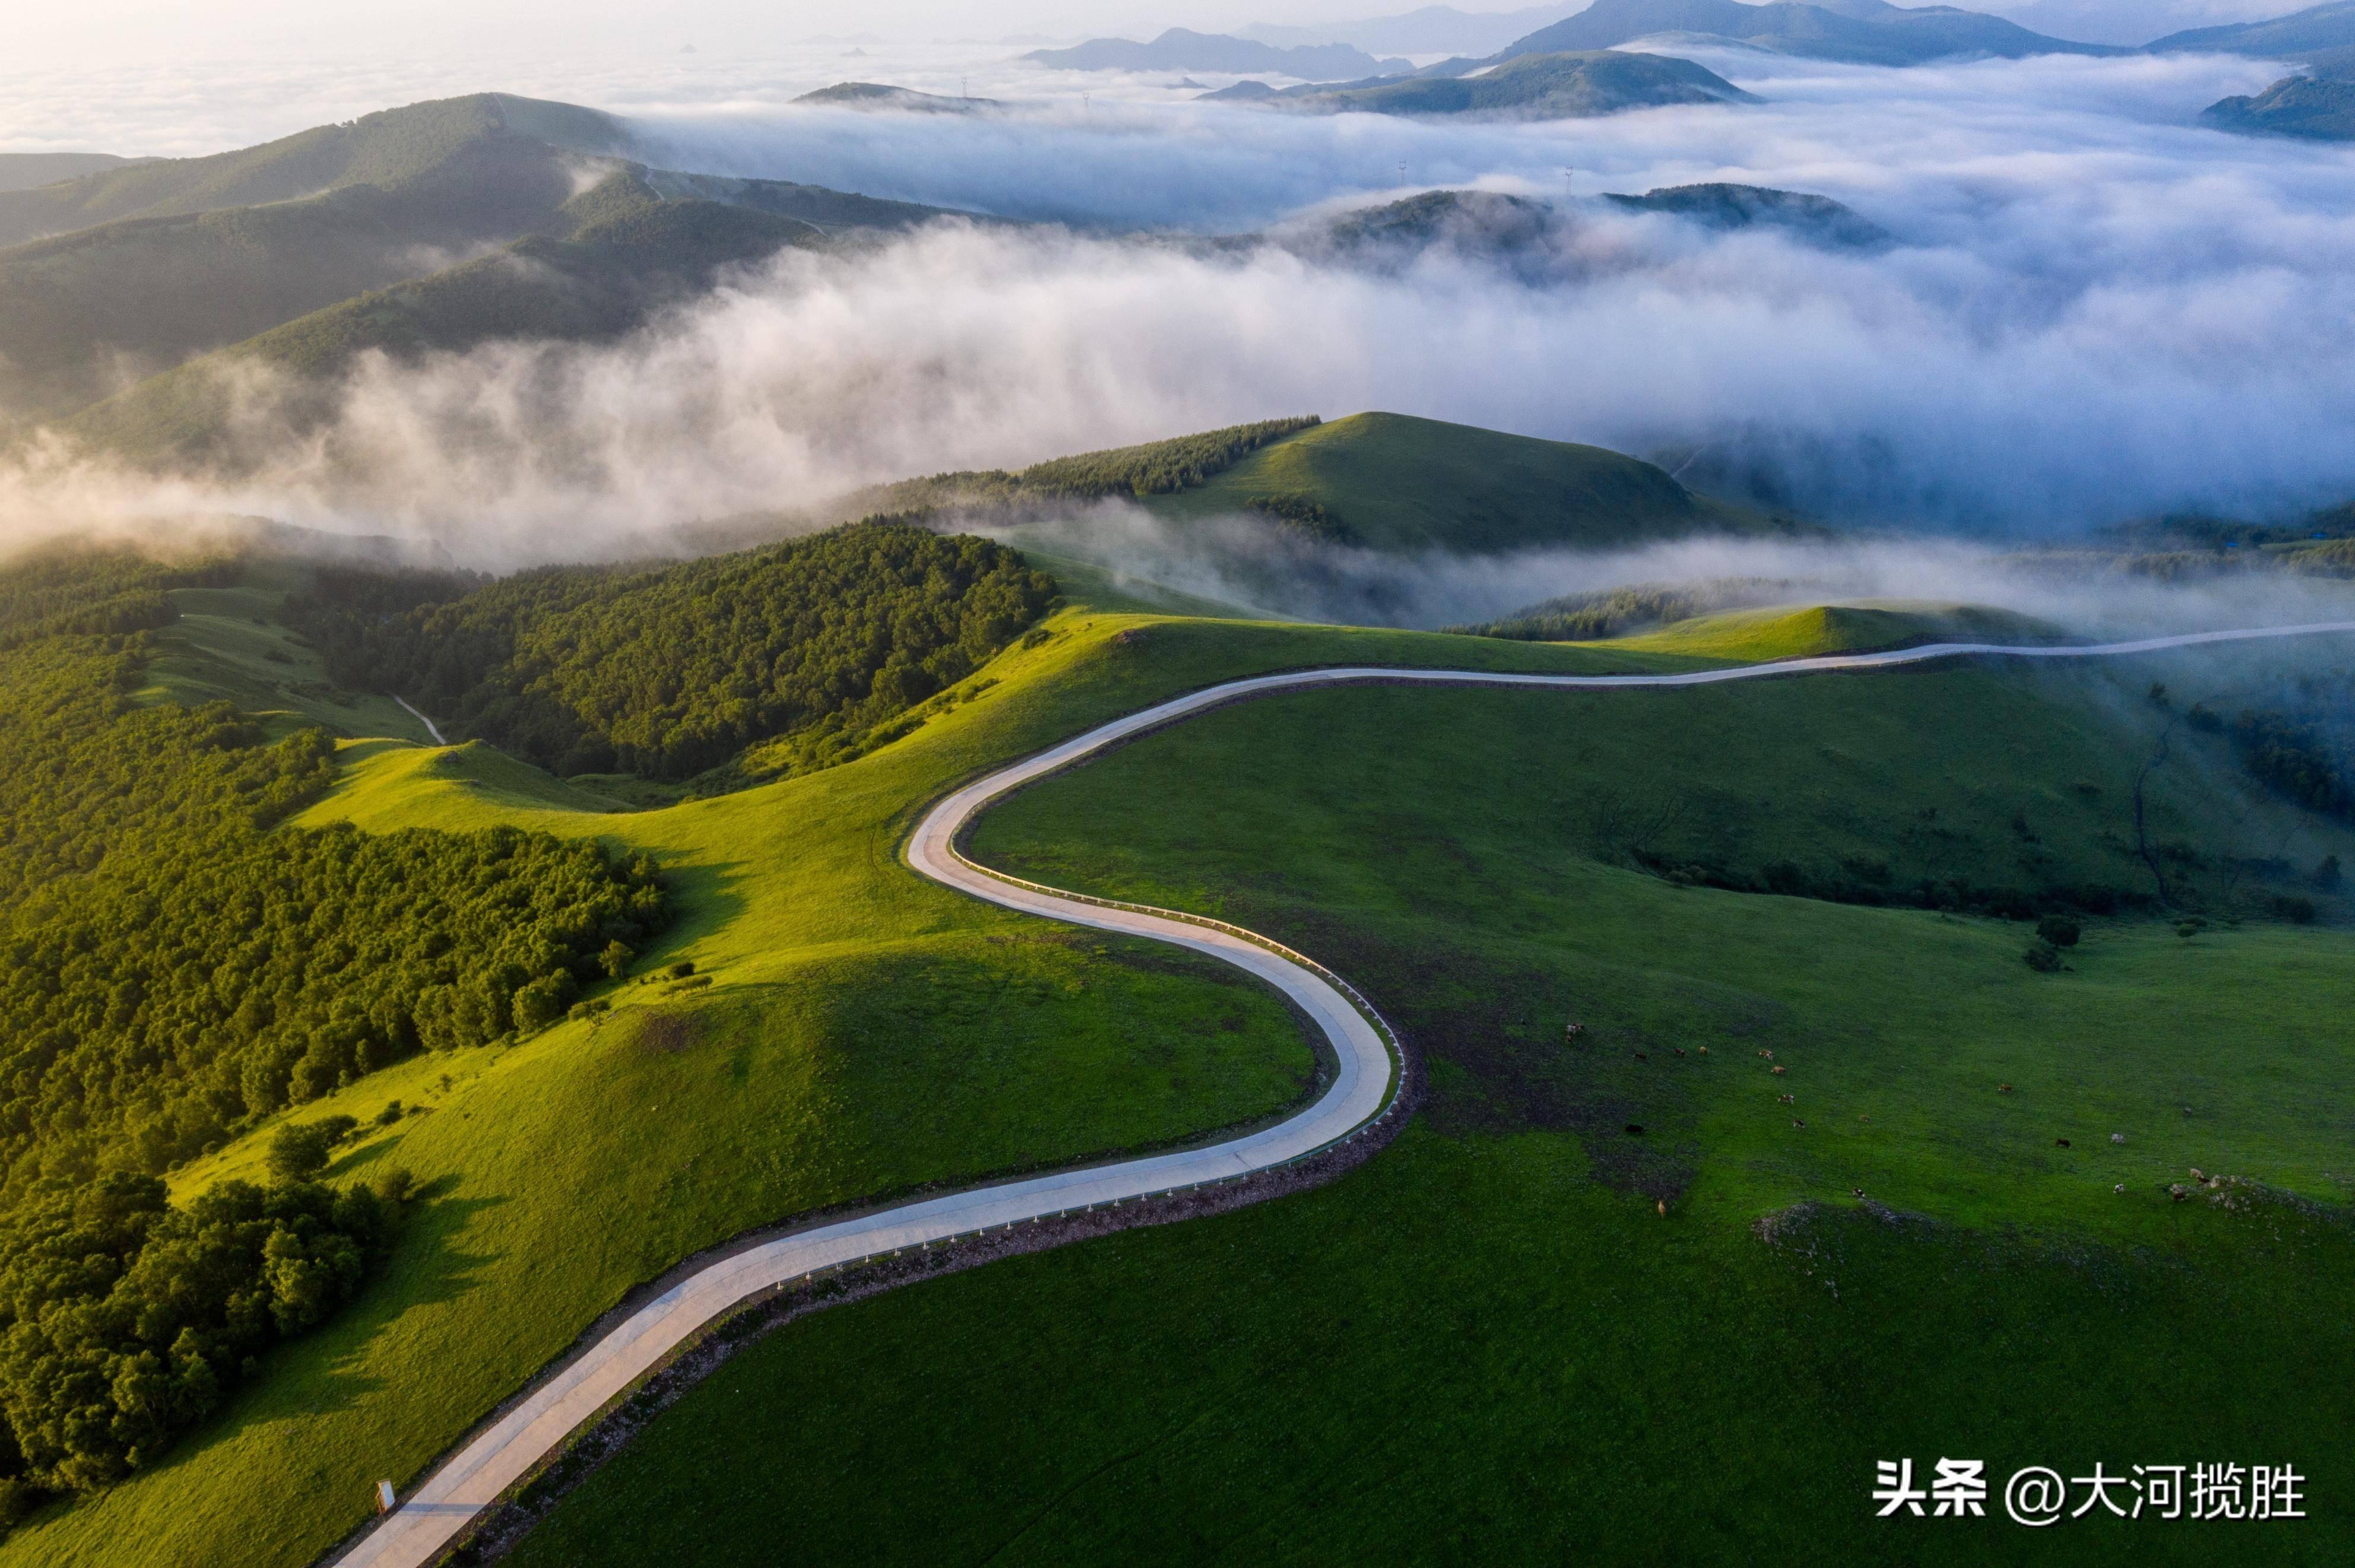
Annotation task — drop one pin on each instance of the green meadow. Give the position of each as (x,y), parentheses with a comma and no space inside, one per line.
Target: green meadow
(1611,1297)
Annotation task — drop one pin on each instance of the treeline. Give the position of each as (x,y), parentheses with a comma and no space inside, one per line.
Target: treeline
(1157,468)
(88,591)
(1617,612)
(671,672)
(124,1319)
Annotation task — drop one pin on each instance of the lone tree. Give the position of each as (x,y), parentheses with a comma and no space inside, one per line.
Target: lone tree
(2059,930)
(298,1153)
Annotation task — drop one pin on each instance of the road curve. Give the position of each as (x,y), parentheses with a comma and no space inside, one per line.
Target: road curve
(1360,1092)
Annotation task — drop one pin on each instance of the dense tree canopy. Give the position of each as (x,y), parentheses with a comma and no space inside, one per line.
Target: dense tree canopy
(2307,755)
(123,1319)
(672,671)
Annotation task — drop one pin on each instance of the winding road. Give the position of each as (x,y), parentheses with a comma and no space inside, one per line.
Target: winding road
(1360,1093)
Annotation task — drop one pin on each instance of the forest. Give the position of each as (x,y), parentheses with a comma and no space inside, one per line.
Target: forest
(179,965)
(670,672)
(1156,468)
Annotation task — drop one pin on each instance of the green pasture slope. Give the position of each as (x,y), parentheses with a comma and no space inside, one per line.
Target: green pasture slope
(1530,1333)
(1400,483)
(229,646)
(864,1033)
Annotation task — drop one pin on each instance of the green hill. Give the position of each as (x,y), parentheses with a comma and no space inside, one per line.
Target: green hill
(168,259)
(1536,87)
(1398,484)
(1752,636)
(388,148)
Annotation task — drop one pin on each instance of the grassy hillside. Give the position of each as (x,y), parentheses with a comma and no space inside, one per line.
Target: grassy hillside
(1612,1297)
(1538,87)
(1391,481)
(1754,636)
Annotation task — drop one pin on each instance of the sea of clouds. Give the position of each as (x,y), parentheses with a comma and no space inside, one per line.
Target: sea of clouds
(2095,310)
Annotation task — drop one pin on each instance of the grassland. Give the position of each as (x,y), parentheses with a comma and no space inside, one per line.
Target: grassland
(228,646)
(864,1033)
(1530,1331)
(1400,483)
(1752,636)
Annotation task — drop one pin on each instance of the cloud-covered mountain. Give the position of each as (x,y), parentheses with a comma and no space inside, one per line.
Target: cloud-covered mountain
(1430,30)
(2317,31)
(1530,87)
(1863,32)
(1180,49)
(2320,108)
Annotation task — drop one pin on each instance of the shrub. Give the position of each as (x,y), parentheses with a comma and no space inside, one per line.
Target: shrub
(2044,957)
(2058,931)
(390,1114)
(2295,908)
(2326,875)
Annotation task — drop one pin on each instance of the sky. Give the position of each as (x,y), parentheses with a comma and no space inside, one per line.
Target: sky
(94,31)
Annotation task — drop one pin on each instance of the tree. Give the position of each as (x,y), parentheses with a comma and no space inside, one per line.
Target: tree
(2059,930)
(298,1151)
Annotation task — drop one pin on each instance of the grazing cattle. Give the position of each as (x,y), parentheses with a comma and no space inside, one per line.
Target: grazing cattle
(2117,1138)
(1778,1072)
(2003,1088)
(1857,1190)
(2062,1142)
(1790,1100)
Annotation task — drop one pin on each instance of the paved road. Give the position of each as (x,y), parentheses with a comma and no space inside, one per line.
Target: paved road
(430,727)
(1360,1092)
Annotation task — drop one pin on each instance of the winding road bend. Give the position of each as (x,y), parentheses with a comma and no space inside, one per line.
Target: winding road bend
(1361,1092)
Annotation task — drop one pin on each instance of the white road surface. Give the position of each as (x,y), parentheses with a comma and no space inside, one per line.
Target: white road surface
(1360,1094)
